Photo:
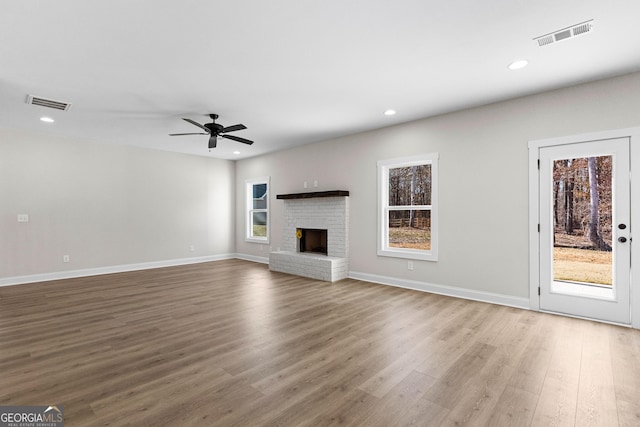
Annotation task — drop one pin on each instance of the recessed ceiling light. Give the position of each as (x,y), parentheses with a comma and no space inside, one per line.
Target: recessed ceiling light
(47,119)
(389,112)
(516,65)
(236,152)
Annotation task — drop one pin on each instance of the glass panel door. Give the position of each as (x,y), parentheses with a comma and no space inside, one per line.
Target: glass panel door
(585,230)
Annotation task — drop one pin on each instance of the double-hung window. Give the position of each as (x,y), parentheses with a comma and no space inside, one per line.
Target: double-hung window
(407,207)
(257,203)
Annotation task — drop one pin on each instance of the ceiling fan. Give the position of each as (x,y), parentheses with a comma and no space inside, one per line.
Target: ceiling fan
(214,130)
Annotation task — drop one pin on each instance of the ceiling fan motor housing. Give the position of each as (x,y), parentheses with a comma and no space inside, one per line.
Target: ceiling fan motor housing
(215,128)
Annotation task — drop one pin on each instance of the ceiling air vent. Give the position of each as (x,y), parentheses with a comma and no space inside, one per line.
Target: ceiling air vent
(49,103)
(565,33)
(545,40)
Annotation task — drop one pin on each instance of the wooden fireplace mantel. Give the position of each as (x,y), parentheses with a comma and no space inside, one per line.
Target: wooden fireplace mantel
(331,193)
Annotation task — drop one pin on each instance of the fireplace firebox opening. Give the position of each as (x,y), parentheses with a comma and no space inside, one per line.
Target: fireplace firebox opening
(313,240)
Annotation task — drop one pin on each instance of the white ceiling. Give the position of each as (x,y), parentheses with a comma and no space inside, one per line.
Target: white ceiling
(292,71)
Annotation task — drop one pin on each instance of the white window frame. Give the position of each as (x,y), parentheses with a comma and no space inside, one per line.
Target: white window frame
(249,210)
(383,207)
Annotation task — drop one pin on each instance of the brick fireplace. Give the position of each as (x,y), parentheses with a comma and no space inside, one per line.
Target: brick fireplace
(315,243)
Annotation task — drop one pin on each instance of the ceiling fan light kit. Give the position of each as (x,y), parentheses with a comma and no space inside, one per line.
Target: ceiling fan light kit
(214,130)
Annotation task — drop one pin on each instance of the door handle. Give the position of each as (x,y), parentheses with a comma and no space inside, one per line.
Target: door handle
(622,239)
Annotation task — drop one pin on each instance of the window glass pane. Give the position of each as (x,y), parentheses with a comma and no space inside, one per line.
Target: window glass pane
(259,224)
(410,186)
(582,217)
(260,196)
(410,229)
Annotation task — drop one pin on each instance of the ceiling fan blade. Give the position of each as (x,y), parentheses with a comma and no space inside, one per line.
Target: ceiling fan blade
(237,138)
(212,142)
(233,128)
(180,134)
(197,124)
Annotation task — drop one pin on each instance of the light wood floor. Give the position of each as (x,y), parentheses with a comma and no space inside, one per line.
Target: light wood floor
(231,343)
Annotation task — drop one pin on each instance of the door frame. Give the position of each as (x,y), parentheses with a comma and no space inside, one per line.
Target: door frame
(534,209)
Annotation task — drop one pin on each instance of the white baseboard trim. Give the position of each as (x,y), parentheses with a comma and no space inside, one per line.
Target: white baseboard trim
(60,275)
(247,257)
(451,291)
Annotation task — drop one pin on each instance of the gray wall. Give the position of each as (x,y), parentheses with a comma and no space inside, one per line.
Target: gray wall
(483,181)
(107,205)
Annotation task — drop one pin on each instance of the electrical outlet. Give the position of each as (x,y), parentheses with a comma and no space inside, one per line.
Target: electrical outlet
(409,265)
(23,217)
(65,258)
(306,184)
(192,248)
(315,183)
